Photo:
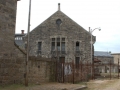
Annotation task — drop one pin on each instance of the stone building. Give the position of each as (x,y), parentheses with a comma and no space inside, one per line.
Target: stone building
(105,59)
(60,36)
(11,58)
(19,39)
(116,57)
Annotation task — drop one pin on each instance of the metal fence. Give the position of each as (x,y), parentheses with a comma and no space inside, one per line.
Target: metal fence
(71,72)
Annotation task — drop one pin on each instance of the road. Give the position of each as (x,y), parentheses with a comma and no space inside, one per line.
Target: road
(104,85)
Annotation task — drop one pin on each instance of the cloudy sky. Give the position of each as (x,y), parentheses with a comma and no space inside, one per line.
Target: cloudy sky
(87,13)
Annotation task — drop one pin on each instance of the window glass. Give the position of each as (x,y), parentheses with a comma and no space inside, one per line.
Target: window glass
(77,46)
(58,46)
(58,39)
(53,46)
(63,46)
(39,46)
(53,39)
(63,39)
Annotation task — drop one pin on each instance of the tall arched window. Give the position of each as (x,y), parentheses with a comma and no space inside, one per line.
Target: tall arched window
(77,46)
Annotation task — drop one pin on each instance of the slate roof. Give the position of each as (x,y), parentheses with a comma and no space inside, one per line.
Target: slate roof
(101,53)
(20,42)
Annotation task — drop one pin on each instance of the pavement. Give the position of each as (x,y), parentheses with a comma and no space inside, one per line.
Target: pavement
(59,86)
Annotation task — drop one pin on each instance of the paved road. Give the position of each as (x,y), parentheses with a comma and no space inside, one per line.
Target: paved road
(104,85)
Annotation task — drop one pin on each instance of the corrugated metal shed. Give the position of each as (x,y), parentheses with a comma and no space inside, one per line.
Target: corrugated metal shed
(101,53)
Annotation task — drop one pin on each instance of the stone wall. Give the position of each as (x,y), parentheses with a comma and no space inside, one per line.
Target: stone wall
(12,60)
(105,60)
(41,70)
(116,57)
(104,66)
(7,26)
(12,68)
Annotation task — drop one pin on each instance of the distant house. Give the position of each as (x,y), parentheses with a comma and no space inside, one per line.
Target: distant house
(19,39)
(104,59)
(116,58)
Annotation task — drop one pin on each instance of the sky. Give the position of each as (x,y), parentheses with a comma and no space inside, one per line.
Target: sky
(87,13)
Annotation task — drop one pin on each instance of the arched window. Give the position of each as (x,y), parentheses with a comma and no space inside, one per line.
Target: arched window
(58,22)
(77,46)
(39,47)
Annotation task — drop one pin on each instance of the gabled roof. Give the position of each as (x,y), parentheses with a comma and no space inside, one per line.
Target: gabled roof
(101,53)
(59,14)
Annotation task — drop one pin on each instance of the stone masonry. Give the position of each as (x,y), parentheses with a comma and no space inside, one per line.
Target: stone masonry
(104,66)
(12,57)
(64,28)
(12,60)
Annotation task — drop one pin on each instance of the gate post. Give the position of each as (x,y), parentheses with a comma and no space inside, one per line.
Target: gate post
(81,70)
(73,71)
(63,72)
(110,69)
(118,68)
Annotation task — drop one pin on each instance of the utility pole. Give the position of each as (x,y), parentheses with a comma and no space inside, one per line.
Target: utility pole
(26,70)
(91,42)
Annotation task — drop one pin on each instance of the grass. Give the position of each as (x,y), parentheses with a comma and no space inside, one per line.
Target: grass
(13,87)
(16,87)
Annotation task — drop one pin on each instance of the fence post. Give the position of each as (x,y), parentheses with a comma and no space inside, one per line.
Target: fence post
(63,72)
(56,71)
(81,70)
(92,66)
(110,69)
(87,71)
(118,68)
(73,71)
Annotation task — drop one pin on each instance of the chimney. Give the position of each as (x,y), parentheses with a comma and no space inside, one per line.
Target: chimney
(58,6)
(22,31)
(89,30)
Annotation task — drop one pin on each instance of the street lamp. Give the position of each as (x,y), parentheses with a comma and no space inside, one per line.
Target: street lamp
(90,30)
